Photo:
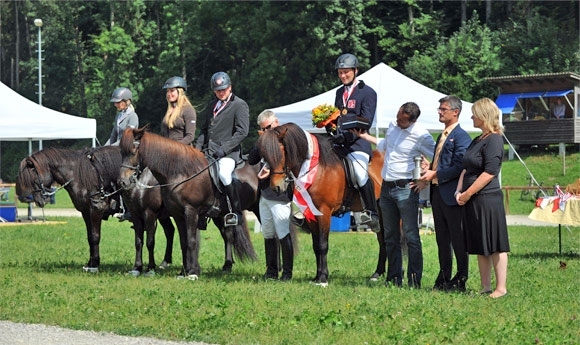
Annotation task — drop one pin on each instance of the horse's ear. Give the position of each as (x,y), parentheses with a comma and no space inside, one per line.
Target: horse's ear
(282,132)
(29,163)
(260,132)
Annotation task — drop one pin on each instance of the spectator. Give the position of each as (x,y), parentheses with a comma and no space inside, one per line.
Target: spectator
(479,192)
(444,174)
(399,202)
(559,109)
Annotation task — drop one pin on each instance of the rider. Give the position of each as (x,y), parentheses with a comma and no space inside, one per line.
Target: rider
(126,118)
(357,102)
(226,125)
(179,120)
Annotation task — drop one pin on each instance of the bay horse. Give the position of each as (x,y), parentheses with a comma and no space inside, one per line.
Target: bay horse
(90,177)
(285,148)
(188,193)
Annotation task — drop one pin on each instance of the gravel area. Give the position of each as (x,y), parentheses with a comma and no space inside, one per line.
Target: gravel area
(32,334)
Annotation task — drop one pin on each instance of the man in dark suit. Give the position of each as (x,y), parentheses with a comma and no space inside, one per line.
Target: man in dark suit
(444,174)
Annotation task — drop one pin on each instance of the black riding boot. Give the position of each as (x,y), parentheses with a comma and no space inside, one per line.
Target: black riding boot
(370,217)
(287,257)
(272,255)
(233,218)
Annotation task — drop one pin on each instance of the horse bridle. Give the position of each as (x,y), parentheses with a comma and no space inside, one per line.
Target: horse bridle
(45,192)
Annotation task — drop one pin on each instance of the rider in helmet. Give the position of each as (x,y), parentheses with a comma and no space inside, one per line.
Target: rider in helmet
(179,120)
(126,116)
(357,103)
(226,124)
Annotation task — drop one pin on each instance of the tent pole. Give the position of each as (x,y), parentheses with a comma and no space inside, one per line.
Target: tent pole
(30,204)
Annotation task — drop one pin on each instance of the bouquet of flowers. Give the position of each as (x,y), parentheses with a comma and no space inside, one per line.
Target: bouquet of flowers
(324,114)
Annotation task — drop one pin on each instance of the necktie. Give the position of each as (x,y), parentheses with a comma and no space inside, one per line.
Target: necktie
(437,153)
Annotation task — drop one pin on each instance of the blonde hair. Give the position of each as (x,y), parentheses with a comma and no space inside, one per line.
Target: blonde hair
(487,111)
(173,112)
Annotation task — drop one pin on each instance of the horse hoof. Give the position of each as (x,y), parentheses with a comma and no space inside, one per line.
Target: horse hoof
(134,273)
(164,265)
(188,277)
(90,269)
(150,273)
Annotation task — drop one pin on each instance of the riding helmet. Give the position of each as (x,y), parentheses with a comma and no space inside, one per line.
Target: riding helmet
(220,81)
(121,94)
(346,61)
(175,82)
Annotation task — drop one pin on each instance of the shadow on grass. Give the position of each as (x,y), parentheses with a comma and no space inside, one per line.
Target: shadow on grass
(545,256)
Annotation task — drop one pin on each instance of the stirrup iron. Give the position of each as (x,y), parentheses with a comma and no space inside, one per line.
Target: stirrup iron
(231,219)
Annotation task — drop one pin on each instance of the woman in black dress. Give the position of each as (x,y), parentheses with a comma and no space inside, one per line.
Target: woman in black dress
(479,191)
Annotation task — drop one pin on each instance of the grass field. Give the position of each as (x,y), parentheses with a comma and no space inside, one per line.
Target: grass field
(42,282)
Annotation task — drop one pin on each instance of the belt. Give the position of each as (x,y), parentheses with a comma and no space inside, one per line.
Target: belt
(397,183)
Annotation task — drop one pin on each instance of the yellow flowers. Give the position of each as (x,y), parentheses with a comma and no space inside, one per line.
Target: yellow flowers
(324,114)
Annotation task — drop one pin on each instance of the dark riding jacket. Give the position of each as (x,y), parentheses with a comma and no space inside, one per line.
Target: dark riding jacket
(362,102)
(226,130)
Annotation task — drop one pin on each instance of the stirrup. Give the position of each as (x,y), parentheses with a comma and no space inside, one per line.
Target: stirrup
(365,217)
(297,218)
(231,219)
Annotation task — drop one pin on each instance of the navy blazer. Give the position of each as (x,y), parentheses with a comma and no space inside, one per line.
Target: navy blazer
(450,163)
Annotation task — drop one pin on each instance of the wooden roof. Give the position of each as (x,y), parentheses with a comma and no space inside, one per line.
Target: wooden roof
(536,82)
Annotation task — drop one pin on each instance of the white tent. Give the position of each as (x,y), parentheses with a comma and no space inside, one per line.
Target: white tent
(24,120)
(393,89)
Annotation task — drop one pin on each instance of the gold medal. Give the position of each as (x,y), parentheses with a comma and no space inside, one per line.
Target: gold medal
(344,111)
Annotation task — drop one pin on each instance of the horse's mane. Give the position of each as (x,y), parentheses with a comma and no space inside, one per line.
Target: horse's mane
(171,156)
(100,165)
(295,146)
(43,161)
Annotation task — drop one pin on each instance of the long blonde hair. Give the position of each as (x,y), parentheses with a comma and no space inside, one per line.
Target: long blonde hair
(173,112)
(487,111)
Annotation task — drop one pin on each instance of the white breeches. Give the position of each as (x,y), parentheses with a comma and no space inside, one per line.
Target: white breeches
(274,218)
(360,162)
(226,166)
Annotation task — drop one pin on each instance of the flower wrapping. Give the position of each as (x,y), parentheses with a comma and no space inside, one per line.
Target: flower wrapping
(324,114)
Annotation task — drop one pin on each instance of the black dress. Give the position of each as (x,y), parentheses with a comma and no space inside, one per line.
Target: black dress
(484,214)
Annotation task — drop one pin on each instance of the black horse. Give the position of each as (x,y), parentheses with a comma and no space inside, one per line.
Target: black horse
(90,177)
(188,193)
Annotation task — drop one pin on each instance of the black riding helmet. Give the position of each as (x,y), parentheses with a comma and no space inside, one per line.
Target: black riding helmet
(346,61)
(175,82)
(220,81)
(121,94)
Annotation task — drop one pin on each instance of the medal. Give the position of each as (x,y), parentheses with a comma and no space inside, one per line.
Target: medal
(344,111)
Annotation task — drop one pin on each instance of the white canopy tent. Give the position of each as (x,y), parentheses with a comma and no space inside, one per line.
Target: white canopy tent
(393,89)
(24,120)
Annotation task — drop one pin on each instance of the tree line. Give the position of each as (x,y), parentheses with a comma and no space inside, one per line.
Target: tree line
(276,52)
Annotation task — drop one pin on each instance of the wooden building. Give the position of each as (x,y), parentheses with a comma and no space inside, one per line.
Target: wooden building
(528,104)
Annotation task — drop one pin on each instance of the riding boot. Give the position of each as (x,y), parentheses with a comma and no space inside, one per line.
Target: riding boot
(287,257)
(272,255)
(234,217)
(369,217)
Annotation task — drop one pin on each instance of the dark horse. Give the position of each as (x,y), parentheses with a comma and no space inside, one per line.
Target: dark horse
(187,191)
(285,148)
(89,176)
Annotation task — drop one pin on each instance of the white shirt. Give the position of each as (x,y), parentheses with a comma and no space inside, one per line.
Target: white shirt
(401,146)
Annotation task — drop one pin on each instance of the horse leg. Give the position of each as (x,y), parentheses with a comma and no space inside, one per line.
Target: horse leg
(151,227)
(138,227)
(228,237)
(189,239)
(93,224)
(320,246)
(169,231)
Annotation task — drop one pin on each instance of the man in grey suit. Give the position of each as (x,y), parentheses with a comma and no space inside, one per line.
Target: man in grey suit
(226,124)
(444,174)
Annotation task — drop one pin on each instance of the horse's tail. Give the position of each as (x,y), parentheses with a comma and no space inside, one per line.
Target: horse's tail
(243,248)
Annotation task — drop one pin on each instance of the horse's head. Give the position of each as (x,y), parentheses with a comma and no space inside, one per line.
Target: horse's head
(34,181)
(130,166)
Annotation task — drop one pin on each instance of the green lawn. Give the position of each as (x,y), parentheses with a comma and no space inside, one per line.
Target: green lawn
(42,282)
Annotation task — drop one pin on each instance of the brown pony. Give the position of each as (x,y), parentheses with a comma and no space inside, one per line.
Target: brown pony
(285,148)
(187,191)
